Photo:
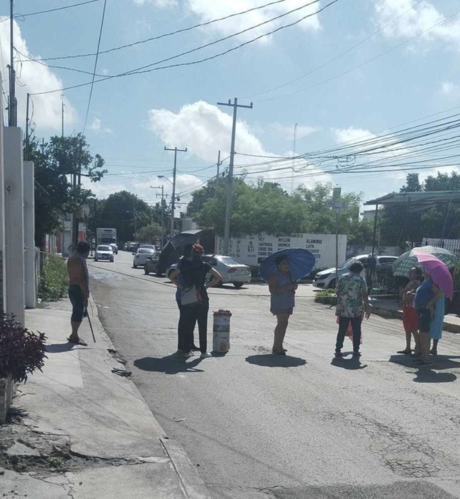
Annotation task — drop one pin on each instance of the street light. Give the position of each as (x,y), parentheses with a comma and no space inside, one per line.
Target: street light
(166,178)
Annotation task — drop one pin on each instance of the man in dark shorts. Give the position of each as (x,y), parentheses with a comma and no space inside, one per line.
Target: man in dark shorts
(78,289)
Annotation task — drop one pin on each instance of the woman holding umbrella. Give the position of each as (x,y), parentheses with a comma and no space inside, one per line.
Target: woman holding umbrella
(426,297)
(282,270)
(282,290)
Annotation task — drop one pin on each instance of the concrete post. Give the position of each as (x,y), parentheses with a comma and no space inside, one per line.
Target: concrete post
(2,214)
(29,235)
(14,222)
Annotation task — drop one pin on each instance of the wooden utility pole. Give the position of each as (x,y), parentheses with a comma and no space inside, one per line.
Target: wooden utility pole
(229,205)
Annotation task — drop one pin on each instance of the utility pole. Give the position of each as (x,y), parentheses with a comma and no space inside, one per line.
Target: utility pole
(62,115)
(229,205)
(219,162)
(173,201)
(27,128)
(162,212)
(337,206)
(12,108)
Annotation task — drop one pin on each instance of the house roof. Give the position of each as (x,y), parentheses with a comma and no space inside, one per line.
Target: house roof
(417,198)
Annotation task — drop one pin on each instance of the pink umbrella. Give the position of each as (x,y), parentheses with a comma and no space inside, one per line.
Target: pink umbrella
(438,271)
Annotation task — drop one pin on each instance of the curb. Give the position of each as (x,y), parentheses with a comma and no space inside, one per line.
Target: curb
(191,483)
(397,314)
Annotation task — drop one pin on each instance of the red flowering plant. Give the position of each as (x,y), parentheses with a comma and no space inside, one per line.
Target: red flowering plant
(21,350)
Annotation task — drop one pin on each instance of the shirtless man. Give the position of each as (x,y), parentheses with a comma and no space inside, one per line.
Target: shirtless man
(78,289)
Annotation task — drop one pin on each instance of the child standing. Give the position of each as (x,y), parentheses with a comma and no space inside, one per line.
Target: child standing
(410,318)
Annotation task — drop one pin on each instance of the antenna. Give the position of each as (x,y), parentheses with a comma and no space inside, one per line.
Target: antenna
(294,147)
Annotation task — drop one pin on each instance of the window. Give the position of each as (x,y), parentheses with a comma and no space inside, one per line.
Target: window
(227,260)
(387,260)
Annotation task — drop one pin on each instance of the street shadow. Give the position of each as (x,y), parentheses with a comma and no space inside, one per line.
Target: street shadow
(352,364)
(427,375)
(271,360)
(60,347)
(440,362)
(168,365)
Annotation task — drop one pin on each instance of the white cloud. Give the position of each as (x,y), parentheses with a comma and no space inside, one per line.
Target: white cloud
(207,10)
(390,156)
(287,132)
(158,3)
(96,126)
(34,78)
(204,129)
(416,17)
(450,89)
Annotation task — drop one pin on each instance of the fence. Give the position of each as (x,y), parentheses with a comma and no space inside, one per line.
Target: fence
(358,249)
(452,245)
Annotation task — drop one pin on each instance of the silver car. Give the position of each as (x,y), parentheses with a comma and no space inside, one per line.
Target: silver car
(232,271)
(104,252)
(143,253)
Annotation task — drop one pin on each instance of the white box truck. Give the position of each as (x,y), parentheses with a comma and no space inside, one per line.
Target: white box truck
(106,236)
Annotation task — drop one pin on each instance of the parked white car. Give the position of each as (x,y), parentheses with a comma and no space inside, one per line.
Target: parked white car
(104,253)
(232,272)
(327,279)
(143,253)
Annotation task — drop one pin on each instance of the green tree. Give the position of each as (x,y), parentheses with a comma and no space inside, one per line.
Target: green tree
(55,196)
(266,207)
(123,211)
(149,233)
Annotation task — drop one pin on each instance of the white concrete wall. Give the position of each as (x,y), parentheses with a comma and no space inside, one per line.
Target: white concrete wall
(252,250)
(14,222)
(2,214)
(29,235)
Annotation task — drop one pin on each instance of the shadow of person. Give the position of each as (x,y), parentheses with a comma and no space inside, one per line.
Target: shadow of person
(440,362)
(426,375)
(168,365)
(60,347)
(271,360)
(353,364)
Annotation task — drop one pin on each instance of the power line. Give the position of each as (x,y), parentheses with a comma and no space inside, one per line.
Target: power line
(335,58)
(191,63)
(95,66)
(196,49)
(20,16)
(172,33)
(360,65)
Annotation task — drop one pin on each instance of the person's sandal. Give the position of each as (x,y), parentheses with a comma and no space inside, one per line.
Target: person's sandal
(79,342)
(405,352)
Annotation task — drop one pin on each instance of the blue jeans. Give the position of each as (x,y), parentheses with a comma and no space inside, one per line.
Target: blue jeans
(343,326)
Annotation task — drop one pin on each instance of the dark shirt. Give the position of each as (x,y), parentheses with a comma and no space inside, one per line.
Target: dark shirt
(194,273)
(424,294)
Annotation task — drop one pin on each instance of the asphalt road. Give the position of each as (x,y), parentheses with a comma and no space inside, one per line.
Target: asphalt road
(303,426)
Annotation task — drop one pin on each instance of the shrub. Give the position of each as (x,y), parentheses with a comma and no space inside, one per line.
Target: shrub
(327,297)
(21,351)
(53,279)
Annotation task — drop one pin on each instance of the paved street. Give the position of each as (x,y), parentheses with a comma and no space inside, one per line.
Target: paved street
(298,427)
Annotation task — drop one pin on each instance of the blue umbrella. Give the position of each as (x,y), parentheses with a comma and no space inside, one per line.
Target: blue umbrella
(301,263)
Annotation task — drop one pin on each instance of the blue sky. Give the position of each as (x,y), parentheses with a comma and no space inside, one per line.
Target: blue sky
(131,119)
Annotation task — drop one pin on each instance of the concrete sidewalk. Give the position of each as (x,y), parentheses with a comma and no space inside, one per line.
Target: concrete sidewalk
(391,308)
(84,432)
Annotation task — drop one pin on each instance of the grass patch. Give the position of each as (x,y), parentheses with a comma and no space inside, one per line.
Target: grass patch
(326,297)
(53,280)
